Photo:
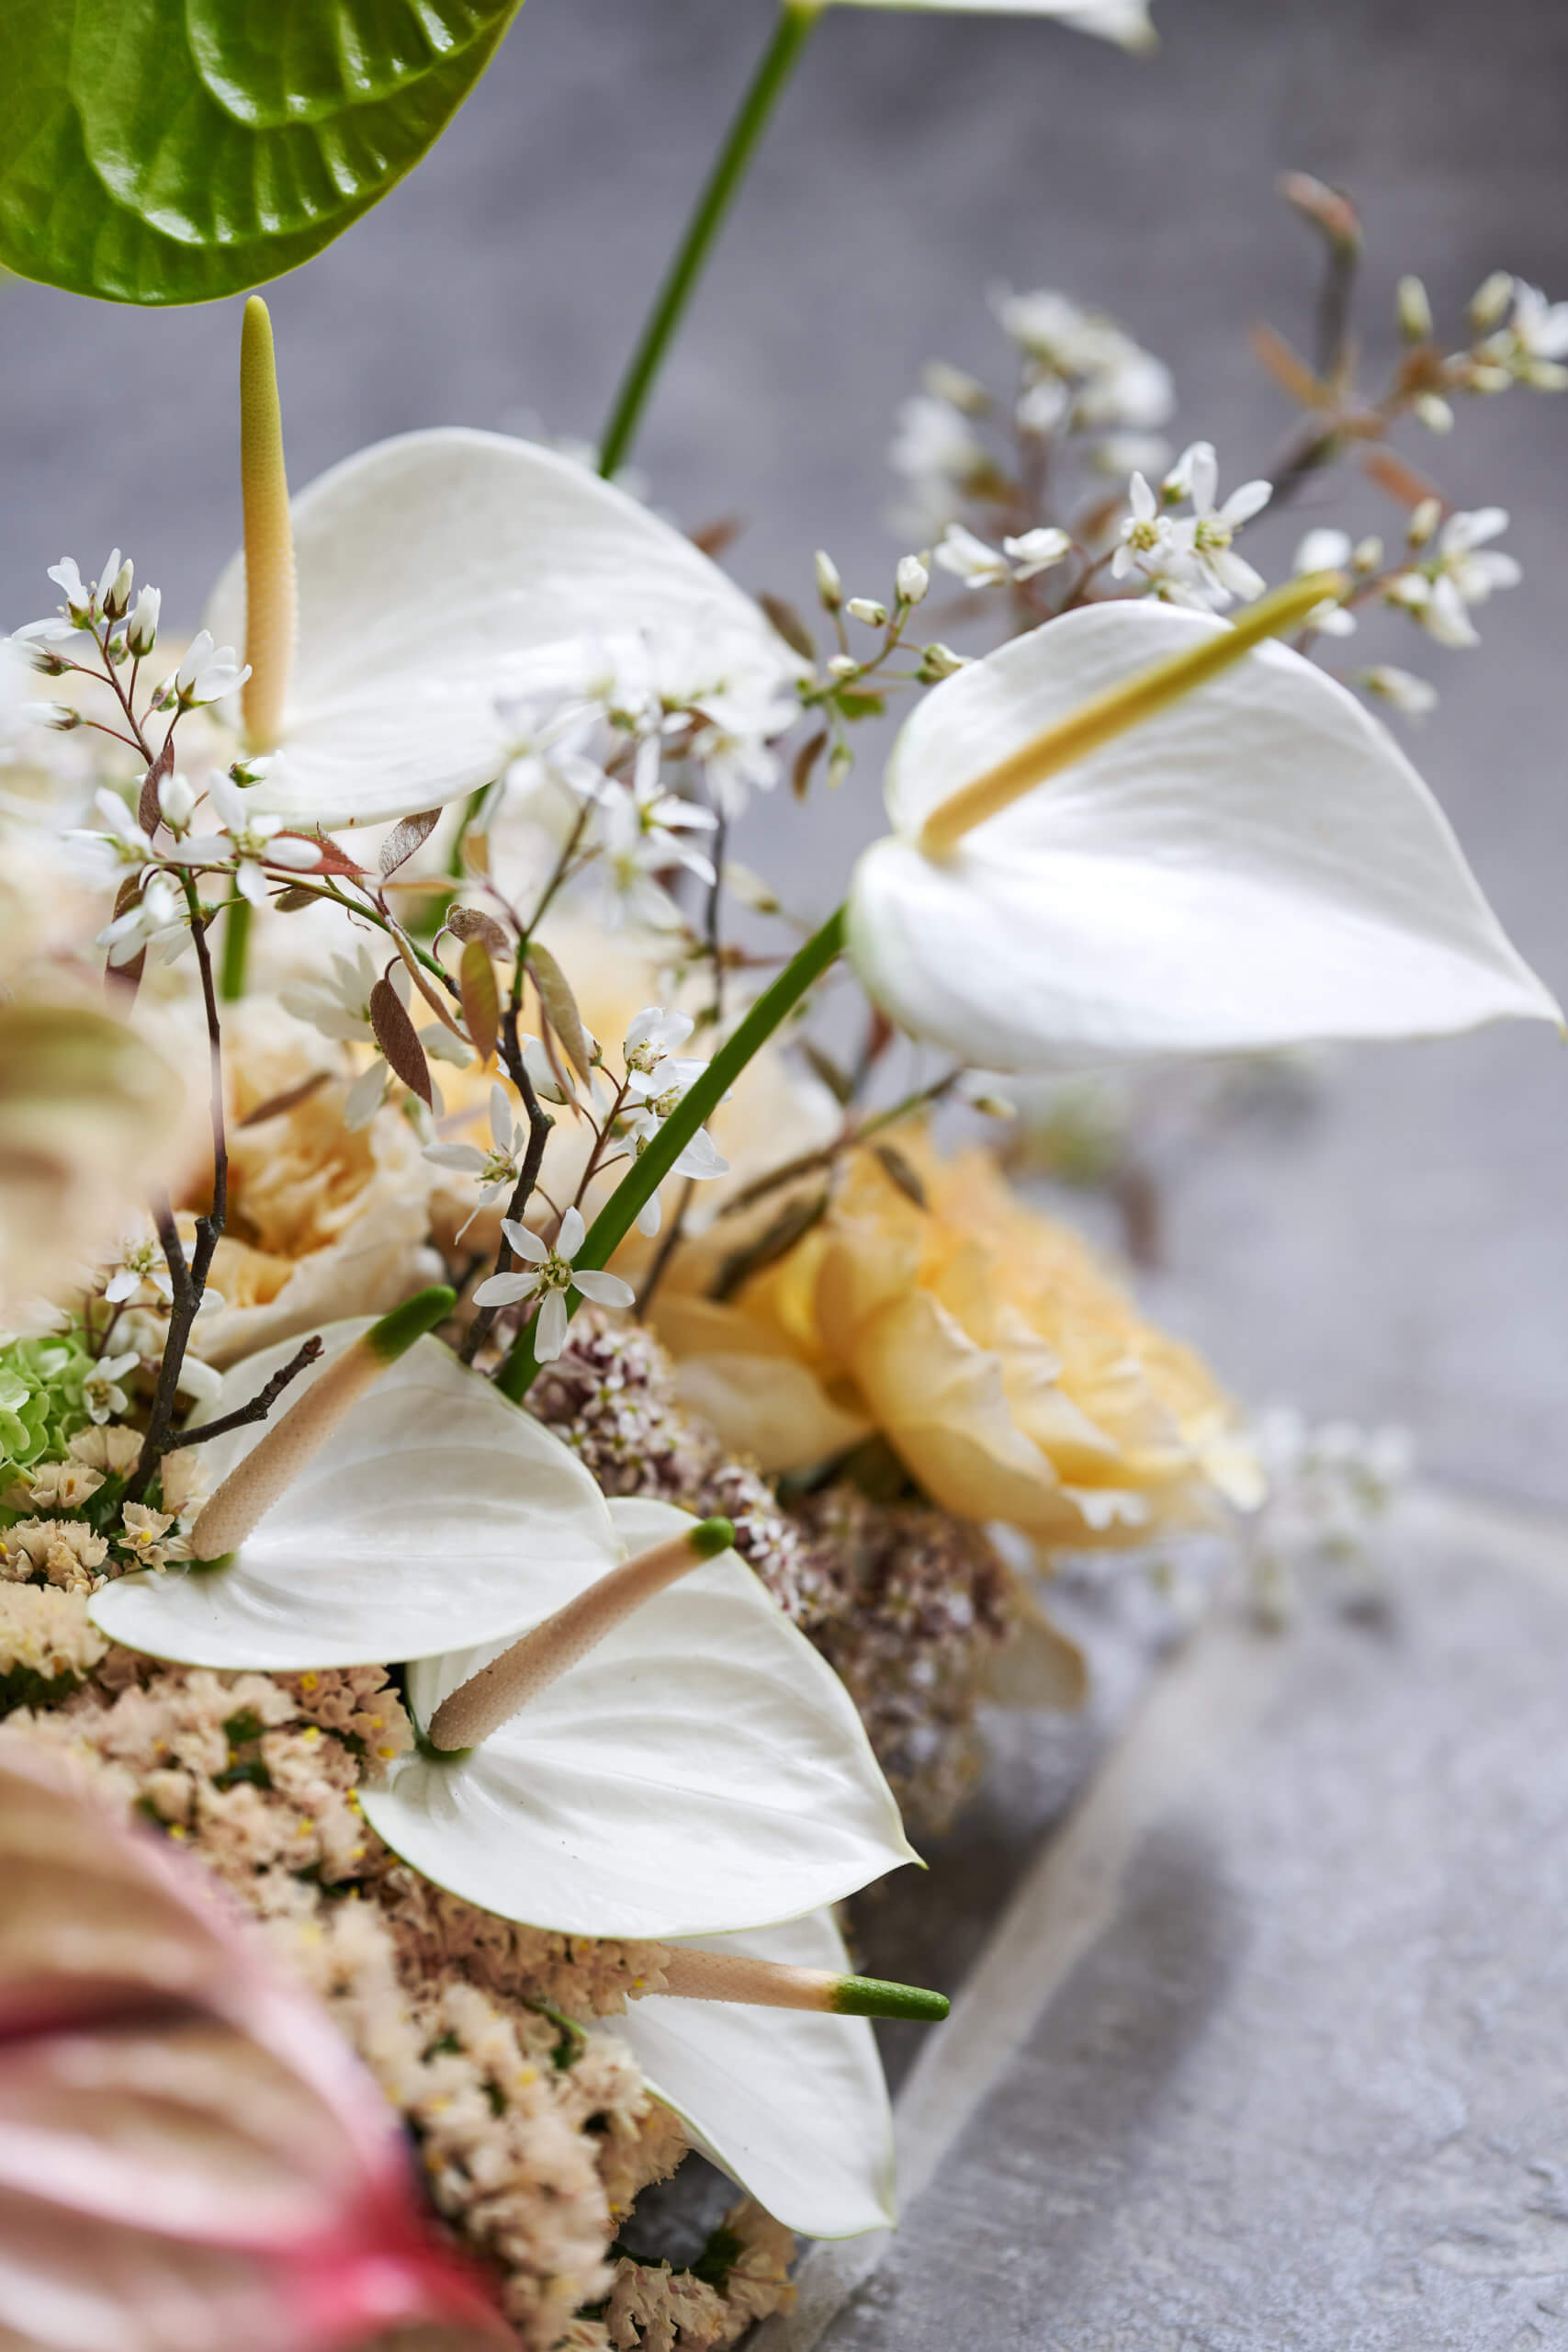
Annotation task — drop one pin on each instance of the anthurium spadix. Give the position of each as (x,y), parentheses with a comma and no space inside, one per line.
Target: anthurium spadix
(429,1510)
(440,575)
(1253,863)
(694,1769)
(791,2106)
(190,2154)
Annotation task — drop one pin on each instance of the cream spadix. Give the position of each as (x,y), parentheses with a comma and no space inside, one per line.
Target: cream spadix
(1124,21)
(270,616)
(294,1439)
(1253,865)
(432,1510)
(505,1686)
(700,1768)
(443,573)
(694,1976)
(790,2103)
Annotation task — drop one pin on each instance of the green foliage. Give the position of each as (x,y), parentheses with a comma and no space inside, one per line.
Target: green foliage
(40,1398)
(176,151)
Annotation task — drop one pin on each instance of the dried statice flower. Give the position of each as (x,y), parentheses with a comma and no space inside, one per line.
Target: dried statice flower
(48,1645)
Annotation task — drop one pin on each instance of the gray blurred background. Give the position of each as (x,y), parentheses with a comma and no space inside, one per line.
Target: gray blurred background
(1404,1251)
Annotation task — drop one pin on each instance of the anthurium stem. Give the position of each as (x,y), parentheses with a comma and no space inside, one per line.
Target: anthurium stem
(272,1465)
(796,20)
(694,1976)
(495,1694)
(696,1106)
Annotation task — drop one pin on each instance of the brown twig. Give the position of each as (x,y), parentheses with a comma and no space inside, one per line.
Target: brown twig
(260,1404)
(190,1281)
(540,1125)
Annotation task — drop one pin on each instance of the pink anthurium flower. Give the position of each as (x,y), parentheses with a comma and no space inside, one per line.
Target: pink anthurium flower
(190,2155)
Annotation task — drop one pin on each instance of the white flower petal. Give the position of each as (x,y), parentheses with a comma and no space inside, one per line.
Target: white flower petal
(436,572)
(504,1290)
(572,1231)
(1257,865)
(524,1241)
(791,2106)
(702,1770)
(438,1510)
(605,1290)
(550,1330)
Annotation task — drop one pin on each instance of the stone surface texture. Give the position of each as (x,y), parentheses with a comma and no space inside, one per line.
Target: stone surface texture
(1267,2055)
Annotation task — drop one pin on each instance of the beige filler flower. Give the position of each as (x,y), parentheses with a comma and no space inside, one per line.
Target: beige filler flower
(324,1221)
(986,1344)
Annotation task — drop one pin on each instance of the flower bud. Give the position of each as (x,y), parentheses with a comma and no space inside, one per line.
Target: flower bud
(1434,412)
(1489,378)
(1414,311)
(1424,521)
(941,662)
(1543,374)
(911,579)
(1400,689)
(57,714)
(1367,554)
(142,632)
(844,666)
(868,609)
(830,587)
(119,580)
(1491,300)
(959,391)
(839,765)
(176,802)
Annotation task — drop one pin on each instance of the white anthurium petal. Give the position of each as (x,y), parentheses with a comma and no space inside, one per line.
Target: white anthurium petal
(436,1509)
(701,1770)
(445,572)
(1126,21)
(1257,866)
(791,2105)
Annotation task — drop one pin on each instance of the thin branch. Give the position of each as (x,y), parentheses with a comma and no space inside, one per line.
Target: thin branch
(189,1282)
(260,1404)
(540,1125)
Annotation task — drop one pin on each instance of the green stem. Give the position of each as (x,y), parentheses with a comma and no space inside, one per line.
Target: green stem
(797,19)
(236,949)
(696,1106)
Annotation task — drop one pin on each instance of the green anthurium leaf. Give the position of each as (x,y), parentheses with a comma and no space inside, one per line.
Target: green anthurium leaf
(176,151)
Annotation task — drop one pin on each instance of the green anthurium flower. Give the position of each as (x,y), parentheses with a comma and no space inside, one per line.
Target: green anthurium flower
(441,574)
(433,1510)
(791,2105)
(698,1769)
(176,151)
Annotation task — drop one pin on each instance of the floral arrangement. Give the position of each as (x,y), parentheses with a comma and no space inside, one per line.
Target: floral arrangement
(532,1417)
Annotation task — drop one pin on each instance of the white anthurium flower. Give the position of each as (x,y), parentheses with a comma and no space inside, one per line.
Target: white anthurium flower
(1256,864)
(791,2106)
(701,1769)
(434,1509)
(547,1274)
(438,574)
(1126,22)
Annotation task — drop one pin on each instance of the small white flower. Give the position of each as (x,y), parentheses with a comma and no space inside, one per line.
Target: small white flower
(1461,572)
(339,1008)
(251,838)
(641,829)
(81,601)
(1402,690)
(868,610)
(550,1275)
(119,840)
(176,802)
(911,579)
(1535,341)
(1036,550)
(207,674)
(656,1083)
(101,1392)
(1042,406)
(140,1265)
(1207,534)
(141,630)
(1147,541)
(496,1169)
(1327,549)
(830,583)
(970,559)
(160,921)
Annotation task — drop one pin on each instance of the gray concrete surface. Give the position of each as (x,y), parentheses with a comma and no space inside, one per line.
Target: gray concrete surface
(1266,2056)
(1406,1252)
